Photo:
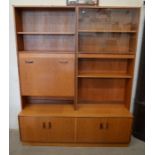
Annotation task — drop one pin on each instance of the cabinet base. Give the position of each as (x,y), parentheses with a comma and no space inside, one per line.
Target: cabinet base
(75,144)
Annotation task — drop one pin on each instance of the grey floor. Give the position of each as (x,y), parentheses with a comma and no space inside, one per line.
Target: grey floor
(136,147)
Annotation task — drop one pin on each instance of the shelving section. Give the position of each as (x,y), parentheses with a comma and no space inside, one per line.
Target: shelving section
(106,30)
(46,44)
(106,53)
(46,29)
(76,70)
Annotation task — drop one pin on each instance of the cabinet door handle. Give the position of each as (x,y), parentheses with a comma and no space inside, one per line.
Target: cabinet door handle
(104,126)
(63,61)
(29,61)
(49,125)
(44,125)
(101,126)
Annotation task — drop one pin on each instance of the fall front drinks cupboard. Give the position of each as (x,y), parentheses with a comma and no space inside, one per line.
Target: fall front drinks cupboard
(76,70)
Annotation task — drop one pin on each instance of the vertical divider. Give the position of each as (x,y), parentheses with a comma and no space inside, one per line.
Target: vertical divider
(76,59)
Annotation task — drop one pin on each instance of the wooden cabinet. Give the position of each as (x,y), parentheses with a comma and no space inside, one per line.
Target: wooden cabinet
(104,130)
(76,66)
(79,130)
(47,129)
(39,74)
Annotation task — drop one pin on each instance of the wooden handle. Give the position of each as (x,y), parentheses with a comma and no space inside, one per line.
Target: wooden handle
(104,126)
(29,61)
(44,125)
(101,126)
(49,125)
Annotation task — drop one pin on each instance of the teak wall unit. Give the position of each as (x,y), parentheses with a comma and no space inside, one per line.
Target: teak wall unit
(76,70)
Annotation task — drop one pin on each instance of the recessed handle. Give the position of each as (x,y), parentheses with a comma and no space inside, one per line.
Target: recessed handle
(29,61)
(63,61)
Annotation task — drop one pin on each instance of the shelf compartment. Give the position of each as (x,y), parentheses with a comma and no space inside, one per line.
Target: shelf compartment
(47,33)
(101,90)
(107,56)
(105,68)
(106,19)
(114,43)
(46,42)
(45,19)
(97,75)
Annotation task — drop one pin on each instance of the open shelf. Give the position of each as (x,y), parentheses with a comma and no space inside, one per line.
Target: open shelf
(103,75)
(104,68)
(107,56)
(102,89)
(46,19)
(47,33)
(40,42)
(108,19)
(114,43)
(67,110)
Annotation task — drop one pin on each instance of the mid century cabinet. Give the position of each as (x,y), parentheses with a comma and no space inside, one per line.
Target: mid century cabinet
(76,70)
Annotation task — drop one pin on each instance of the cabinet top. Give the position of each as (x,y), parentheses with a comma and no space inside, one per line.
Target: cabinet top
(63,6)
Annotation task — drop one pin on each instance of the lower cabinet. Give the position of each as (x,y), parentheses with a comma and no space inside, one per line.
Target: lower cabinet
(104,130)
(79,130)
(46,129)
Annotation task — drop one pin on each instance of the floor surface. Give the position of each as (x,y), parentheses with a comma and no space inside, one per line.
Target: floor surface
(136,147)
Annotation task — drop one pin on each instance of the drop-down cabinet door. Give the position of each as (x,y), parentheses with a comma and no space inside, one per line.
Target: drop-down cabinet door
(46,74)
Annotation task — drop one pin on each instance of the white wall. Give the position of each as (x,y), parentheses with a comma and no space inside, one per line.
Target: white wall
(14,84)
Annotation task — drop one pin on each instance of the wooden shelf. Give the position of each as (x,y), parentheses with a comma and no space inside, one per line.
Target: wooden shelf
(107,31)
(46,33)
(103,75)
(84,110)
(48,52)
(107,56)
(119,52)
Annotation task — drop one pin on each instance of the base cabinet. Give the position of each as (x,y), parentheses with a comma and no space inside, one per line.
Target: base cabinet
(75,130)
(46,129)
(104,130)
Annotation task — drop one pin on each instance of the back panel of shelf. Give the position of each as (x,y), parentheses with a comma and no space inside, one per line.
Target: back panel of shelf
(45,29)
(108,19)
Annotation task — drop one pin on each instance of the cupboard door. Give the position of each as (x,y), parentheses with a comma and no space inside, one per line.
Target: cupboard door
(89,130)
(46,129)
(104,130)
(47,74)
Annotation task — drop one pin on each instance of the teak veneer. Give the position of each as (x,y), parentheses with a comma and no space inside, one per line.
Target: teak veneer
(76,69)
